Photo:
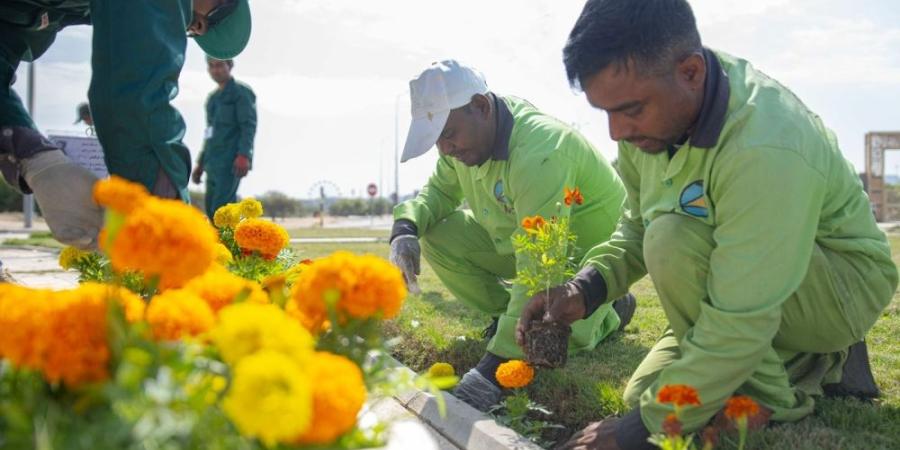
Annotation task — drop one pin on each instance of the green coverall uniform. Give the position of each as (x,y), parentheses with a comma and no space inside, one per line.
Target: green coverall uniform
(231,126)
(762,246)
(138,128)
(471,251)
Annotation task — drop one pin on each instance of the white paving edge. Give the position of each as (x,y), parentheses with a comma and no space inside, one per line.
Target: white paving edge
(463,425)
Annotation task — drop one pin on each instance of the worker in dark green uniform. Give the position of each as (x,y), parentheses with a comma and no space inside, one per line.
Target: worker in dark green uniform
(754,229)
(138,52)
(228,142)
(507,160)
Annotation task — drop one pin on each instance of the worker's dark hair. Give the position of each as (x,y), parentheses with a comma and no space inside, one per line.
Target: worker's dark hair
(653,34)
(230,62)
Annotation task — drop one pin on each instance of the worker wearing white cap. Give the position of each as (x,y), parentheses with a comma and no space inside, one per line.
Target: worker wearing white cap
(507,161)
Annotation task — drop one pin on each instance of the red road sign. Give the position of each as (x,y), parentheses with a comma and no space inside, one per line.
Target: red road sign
(372,189)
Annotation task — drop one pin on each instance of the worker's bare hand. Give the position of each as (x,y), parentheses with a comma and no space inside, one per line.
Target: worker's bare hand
(197,174)
(562,304)
(241,166)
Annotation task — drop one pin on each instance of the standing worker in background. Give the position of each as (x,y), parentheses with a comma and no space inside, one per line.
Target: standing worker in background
(508,161)
(228,142)
(138,51)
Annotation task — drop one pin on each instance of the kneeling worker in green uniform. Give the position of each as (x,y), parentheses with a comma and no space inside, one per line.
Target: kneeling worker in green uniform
(228,142)
(755,230)
(507,160)
(138,53)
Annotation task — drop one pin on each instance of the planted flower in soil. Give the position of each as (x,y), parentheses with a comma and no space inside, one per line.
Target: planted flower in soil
(544,250)
(518,411)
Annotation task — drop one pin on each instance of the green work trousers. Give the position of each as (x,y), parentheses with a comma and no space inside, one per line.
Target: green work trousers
(464,258)
(221,189)
(840,299)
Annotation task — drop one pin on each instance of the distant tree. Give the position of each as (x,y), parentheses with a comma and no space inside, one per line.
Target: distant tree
(280,205)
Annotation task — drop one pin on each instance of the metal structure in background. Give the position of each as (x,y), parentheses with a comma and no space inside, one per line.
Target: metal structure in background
(876,144)
(28,199)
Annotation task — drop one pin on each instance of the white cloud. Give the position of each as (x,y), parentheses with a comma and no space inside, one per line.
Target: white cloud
(327,73)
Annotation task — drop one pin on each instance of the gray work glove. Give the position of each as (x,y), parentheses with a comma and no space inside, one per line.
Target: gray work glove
(477,391)
(64,191)
(405,254)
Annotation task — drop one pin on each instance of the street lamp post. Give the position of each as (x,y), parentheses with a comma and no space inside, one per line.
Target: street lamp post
(28,199)
(397,147)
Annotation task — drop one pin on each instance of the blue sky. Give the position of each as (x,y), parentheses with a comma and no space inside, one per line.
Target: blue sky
(330,74)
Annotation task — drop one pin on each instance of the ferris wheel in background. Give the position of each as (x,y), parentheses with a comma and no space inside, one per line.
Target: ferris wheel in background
(324,189)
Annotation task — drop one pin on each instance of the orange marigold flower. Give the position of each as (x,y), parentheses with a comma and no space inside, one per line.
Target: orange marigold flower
(261,236)
(357,286)
(77,351)
(573,196)
(119,194)
(533,224)
(133,304)
(219,288)
(60,333)
(672,426)
(741,406)
(178,313)
(514,374)
(678,395)
(166,239)
(338,394)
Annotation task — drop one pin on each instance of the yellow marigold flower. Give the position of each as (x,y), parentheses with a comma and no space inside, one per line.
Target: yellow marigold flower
(70,256)
(678,395)
(441,369)
(741,406)
(514,374)
(119,194)
(270,398)
(219,288)
(357,286)
(257,235)
(227,216)
(178,313)
(250,208)
(166,239)
(223,255)
(338,394)
(247,328)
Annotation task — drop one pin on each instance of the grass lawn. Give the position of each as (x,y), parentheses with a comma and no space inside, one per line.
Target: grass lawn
(338,232)
(435,327)
(39,239)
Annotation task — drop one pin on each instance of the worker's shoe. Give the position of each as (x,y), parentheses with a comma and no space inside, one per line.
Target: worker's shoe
(856,379)
(477,391)
(625,307)
(64,191)
(5,276)
(488,333)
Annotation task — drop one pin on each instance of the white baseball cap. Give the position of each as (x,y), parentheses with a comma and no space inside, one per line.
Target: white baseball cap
(441,87)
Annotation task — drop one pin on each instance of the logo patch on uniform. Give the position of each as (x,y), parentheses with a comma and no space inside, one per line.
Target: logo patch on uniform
(692,201)
(500,196)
